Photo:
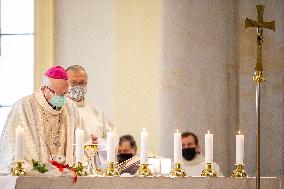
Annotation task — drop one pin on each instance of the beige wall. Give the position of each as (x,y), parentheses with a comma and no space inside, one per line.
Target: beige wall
(44,38)
(137,46)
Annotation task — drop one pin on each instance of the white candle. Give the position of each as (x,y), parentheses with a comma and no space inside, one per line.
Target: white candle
(208,147)
(166,166)
(177,147)
(79,145)
(239,148)
(19,148)
(144,147)
(110,147)
(155,165)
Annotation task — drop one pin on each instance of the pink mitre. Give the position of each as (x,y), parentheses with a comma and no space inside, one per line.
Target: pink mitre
(57,72)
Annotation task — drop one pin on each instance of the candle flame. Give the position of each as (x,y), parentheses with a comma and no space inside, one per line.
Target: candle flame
(144,130)
(177,131)
(109,129)
(208,132)
(239,132)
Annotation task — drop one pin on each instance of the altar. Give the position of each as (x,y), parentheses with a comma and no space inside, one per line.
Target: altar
(9,182)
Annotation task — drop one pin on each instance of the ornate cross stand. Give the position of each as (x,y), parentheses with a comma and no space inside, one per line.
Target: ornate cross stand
(258,76)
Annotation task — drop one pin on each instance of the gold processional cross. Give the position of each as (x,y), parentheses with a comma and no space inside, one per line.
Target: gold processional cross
(258,76)
(259,24)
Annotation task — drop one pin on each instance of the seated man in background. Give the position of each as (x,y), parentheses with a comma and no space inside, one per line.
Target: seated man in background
(126,150)
(93,120)
(192,157)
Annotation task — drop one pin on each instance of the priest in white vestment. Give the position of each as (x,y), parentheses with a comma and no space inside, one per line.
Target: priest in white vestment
(93,120)
(193,160)
(49,120)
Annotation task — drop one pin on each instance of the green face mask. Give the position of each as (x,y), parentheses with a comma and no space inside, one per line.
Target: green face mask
(58,101)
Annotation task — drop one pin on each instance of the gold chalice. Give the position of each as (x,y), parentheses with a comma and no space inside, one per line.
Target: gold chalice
(91,152)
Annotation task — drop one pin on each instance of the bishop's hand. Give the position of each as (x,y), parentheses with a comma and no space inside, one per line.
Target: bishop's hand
(94,139)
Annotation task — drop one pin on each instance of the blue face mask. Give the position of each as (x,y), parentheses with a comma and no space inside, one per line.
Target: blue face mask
(58,101)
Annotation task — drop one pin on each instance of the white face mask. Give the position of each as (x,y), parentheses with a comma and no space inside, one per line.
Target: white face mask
(77,93)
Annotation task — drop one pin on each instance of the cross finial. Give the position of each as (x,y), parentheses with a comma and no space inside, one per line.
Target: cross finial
(259,24)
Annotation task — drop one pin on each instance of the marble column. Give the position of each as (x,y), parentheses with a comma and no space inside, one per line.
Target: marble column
(207,62)
(199,74)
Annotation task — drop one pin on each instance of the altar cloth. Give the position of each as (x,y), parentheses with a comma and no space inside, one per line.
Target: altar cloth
(9,182)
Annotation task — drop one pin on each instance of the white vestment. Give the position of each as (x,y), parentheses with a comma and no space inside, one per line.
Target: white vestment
(41,124)
(195,166)
(93,121)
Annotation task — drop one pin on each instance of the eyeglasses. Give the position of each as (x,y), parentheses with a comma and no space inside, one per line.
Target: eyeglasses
(54,93)
(81,83)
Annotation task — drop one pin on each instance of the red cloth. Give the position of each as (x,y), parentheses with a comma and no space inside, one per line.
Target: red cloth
(61,167)
(56,72)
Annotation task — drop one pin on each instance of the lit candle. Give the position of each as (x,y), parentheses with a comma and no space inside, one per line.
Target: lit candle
(144,147)
(239,148)
(208,147)
(19,148)
(110,146)
(177,147)
(79,145)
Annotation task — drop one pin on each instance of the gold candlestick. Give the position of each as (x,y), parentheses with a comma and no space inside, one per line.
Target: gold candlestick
(239,172)
(18,170)
(110,170)
(80,170)
(209,171)
(144,171)
(178,171)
